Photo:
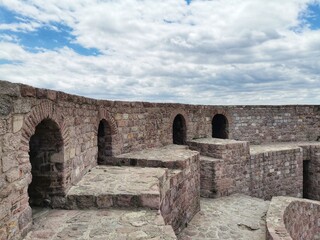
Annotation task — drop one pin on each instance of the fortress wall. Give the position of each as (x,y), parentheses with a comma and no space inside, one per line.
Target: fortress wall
(263,124)
(278,173)
(134,126)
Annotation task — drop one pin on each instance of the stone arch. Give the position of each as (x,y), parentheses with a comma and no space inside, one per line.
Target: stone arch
(104,141)
(174,113)
(39,113)
(104,115)
(179,130)
(220,126)
(45,111)
(47,163)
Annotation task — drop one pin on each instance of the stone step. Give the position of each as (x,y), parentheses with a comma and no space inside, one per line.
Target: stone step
(110,186)
(170,156)
(226,149)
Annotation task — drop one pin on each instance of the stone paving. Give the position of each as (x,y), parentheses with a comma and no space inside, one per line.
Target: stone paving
(256,149)
(99,225)
(170,156)
(234,217)
(107,186)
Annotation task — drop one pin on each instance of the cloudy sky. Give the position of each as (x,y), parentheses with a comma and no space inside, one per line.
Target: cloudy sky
(196,51)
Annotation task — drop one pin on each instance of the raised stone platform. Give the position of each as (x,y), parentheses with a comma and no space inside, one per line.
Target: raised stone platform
(108,186)
(223,166)
(234,217)
(173,187)
(180,194)
(272,147)
(226,149)
(99,225)
(170,156)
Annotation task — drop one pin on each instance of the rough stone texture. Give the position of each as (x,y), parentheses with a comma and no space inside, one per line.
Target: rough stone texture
(134,126)
(311,160)
(180,195)
(209,172)
(99,225)
(276,172)
(229,173)
(233,217)
(269,170)
(292,218)
(312,172)
(105,187)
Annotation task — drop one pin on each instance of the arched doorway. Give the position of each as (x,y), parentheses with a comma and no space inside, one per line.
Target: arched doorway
(179,130)
(104,141)
(220,126)
(47,163)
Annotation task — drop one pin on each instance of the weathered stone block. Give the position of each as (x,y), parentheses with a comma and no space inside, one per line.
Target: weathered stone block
(8,161)
(12,175)
(25,218)
(17,123)
(22,106)
(104,201)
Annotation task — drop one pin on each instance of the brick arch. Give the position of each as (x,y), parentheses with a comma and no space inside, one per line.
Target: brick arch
(175,113)
(45,110)
(104,114)
(116,137)
(223,112)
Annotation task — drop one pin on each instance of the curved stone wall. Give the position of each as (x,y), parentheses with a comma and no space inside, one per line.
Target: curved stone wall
(134,126)
(293,218)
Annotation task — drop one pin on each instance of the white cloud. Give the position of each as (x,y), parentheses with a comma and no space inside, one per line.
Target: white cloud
(210,52)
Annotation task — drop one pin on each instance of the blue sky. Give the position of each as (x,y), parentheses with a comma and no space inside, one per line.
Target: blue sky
(200,52)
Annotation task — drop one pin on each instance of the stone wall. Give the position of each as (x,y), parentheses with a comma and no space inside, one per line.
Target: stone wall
(263,124)
(228,163)
(134,126)
(311,172)
(291,218)
(181,197)
(276,173)
(227,167)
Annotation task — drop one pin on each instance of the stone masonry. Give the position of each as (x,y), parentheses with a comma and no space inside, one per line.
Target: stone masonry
(56,139)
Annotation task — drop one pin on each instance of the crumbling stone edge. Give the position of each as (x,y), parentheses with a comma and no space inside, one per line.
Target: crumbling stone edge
(287,218)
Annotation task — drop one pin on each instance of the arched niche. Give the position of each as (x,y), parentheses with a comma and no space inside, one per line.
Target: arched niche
(104,141)
(47,163)
(179,130)
(220,127)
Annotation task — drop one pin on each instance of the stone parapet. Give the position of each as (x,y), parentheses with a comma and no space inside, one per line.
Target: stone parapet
(276,173)
(291,218)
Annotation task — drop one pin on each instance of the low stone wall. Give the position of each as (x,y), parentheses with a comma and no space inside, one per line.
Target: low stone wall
(227,168)
(311,170)
(292,218)
(209,172)
(224,163)
(276,173)
(181,196)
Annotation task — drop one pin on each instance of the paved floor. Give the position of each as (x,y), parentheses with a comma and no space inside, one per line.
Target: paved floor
(99,225)
(234,217)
